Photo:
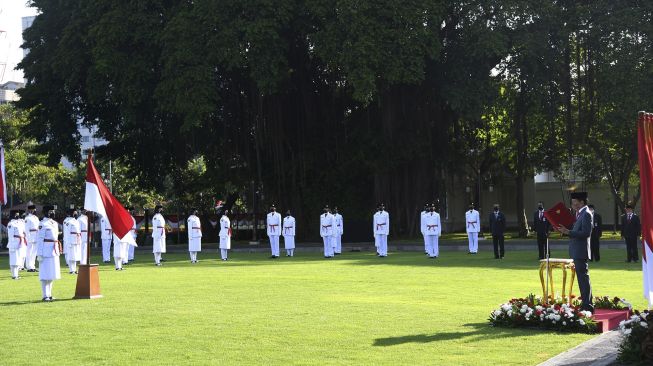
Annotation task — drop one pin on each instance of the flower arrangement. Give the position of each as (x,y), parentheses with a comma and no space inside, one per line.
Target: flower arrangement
(615,303)
(637,343)
(532,312)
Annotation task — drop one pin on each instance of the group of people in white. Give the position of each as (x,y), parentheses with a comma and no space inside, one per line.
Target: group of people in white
(31,239)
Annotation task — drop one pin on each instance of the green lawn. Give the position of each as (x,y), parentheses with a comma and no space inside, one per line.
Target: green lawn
(356,309)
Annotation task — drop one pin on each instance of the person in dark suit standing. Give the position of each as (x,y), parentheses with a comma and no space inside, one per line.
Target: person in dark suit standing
(597,232)
(498,228)
(542,228)
(631,230)
(579,246)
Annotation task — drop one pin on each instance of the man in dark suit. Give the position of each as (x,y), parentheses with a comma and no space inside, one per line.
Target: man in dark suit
(631,230)
(542,228)
(579,246)
(497,228)
(597,232)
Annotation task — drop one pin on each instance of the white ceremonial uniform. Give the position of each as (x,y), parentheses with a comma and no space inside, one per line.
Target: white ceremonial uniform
(74,244)
(194,229)
(274,231)
(327,227)
(337,242)
(381,228)
(289,235)
(48,252)
(158,237)
(17,245)
(31,230)
(66,236)
(225,236)
(473,225)
(107,238)
(82,221)
(432,231)
(421,226)
(120,252)
(131,249)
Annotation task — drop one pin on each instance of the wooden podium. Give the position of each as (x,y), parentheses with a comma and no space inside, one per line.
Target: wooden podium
(88,282)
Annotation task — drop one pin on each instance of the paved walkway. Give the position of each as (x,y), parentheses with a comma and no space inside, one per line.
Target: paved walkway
(599,351)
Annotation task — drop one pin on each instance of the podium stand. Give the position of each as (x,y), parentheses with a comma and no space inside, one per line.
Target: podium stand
(88,282)
(564,264)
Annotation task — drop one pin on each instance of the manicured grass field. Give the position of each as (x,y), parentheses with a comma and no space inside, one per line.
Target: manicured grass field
(356,309)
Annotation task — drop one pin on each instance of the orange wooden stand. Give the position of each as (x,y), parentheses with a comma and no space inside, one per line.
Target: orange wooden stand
(88,282)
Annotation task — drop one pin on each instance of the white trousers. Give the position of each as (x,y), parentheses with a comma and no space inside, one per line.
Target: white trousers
(274,245)
(30,258)
(157,258)
(473,242)
(382,241)
(223,252)
(14,271)
(193,256)
(432,245)
(131,253)
(338,244)
(72,266)
(84,253)
(426,244)
(290,252)
(106,250)
(328,246)
(46,288)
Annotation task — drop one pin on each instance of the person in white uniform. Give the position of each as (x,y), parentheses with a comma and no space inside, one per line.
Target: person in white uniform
(427,209)
(225,235)
(82,219)
(289,234)
(16,244)
(432,231)
(194,229)
(74,253)
(120,252)
(274,230)
(339,230)
(158,234)
(32,231)
(48,252)
(132,248)
(473,226)
(327,228)
(65,225)
(107,238)
(381,229)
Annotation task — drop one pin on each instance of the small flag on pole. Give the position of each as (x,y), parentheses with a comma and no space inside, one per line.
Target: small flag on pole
(645,152)
(99,200)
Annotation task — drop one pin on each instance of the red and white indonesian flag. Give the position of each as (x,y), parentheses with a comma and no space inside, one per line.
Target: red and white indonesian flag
(3,180)
(99,200)
(645,150)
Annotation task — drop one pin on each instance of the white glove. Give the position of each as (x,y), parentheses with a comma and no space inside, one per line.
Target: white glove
(39,258)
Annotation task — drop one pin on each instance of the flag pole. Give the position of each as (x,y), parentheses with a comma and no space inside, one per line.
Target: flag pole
(2,193)
(88,278)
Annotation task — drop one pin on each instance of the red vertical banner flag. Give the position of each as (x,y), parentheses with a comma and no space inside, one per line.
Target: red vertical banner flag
(645,155)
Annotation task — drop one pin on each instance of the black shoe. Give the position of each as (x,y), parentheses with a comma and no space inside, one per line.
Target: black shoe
(51,298)
(45,299)
(117,269)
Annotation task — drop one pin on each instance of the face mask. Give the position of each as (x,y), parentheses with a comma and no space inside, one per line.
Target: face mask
(496,209)
(540,208)
(76,216)
(50,215)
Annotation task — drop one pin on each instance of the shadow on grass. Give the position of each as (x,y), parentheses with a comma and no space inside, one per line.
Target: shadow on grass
(515,260)
(474,331)
(25,302)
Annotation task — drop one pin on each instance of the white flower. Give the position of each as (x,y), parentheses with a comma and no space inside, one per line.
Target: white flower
(622,323)
(643,315)
(644,324)
(581,322)
(557,317)
(538,307)
(509,312)
(497,312)
(627,331)
(522,310)
(634,317)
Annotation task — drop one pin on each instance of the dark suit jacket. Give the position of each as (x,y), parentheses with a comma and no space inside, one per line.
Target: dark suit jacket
(542,227)
(597,232)
(632,229)
(497,224)
(579,244)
